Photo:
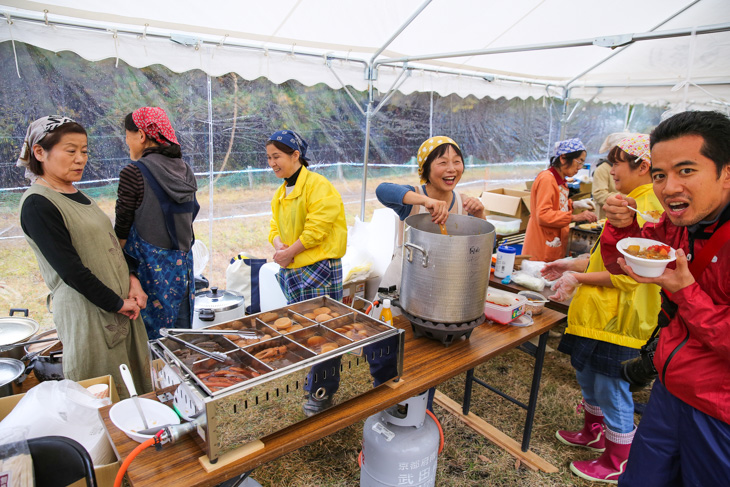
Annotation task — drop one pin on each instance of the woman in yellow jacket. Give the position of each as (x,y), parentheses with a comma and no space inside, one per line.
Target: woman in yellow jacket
(308,229)
(309,235)
(551,211)
(610,318)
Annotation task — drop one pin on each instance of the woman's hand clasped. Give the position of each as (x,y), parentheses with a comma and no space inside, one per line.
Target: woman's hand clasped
(284,257)
(130,309)
(136,292)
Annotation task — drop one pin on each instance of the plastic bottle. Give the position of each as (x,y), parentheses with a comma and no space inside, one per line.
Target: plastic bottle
(505,261)
(386,315)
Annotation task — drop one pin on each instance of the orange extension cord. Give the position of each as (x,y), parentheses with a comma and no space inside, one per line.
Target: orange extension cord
(441,438)
(127,461)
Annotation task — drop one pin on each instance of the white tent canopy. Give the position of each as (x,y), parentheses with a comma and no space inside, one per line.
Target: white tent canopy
(441,42)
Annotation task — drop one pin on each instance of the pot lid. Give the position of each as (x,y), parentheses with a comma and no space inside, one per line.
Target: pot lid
(14,330)
(218,300)
(10,369)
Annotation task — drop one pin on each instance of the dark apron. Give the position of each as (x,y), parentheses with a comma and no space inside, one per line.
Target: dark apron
(166,275)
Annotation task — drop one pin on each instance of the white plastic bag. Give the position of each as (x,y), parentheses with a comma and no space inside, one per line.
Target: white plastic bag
(62,408)
(358,261)
(16,466)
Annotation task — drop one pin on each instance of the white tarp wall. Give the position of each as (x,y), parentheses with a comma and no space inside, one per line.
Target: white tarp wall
(293,39)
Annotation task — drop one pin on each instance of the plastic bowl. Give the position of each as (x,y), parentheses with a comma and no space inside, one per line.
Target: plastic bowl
(125,416)
(644,267)
(535,301)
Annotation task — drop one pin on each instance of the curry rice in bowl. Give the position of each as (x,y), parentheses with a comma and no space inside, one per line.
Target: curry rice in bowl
(646,267)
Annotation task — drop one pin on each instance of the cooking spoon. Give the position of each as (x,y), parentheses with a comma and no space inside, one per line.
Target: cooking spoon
(5,348)
(204,331)
(129,382)
(442,227)
(646,216)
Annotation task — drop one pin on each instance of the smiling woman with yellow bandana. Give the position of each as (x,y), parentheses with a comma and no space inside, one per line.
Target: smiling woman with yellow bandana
(440,167)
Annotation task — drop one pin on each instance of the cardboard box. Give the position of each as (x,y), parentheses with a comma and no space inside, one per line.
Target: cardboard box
(508,202)
(105,474)
(352,290)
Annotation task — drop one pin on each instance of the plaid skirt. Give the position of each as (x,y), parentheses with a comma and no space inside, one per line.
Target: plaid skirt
(311,281)
(602,357)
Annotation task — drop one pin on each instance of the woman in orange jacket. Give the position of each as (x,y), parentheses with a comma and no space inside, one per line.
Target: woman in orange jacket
(551,211)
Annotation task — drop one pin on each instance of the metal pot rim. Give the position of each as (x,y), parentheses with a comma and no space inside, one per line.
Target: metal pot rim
(15,325)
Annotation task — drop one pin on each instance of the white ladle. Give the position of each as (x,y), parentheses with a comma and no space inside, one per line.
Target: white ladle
(645,216)
(129,382)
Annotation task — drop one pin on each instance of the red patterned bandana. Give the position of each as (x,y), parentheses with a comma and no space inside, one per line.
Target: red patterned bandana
(154,123)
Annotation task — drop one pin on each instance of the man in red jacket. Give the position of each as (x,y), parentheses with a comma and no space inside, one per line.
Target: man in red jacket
(684,434)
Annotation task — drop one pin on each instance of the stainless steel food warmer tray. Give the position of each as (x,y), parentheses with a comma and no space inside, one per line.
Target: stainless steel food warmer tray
(269,392)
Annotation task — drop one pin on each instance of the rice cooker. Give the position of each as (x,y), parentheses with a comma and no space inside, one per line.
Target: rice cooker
(217,306)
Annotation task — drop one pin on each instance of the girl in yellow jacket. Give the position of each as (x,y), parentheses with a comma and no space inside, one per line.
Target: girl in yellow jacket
(546,237)
(308,229)
(610,318)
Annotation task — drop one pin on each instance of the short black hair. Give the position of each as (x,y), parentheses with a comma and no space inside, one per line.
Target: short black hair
(287,150)
(173,150)
(569,158)
(713,127)
(439,151)
(51,139)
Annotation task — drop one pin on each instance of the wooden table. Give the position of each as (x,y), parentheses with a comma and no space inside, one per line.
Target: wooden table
(427,363)
(496,282)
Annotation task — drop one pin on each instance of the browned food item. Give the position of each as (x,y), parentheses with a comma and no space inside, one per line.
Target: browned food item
(341,330)
(282,323)
(294,328)
(232,337)
(315,340)
(267,317)
(334,314)
(270,354)
(328,347)
(324,310)
(236,324)
(347,327)
(309,315)
(323,317)
(359,326)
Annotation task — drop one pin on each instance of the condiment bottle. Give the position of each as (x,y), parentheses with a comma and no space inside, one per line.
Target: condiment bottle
(505,261)
(386,315)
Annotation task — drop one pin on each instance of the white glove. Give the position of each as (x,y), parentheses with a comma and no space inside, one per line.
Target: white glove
(565,287)
(586,203)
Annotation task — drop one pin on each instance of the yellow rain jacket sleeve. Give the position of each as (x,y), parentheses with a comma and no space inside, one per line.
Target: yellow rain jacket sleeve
(626,314)
(312,213)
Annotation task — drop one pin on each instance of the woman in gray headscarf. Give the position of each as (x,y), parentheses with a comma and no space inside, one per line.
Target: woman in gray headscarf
(96,299)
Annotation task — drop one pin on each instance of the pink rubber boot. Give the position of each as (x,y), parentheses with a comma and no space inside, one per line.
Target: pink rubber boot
(591,436)
(611,463)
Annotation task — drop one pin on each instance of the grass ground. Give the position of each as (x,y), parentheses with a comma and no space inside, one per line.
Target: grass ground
(468,460)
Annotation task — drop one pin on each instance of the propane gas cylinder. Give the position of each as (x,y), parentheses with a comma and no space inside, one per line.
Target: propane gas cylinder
(400,446)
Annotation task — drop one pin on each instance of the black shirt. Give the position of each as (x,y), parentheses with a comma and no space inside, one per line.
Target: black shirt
(43,223)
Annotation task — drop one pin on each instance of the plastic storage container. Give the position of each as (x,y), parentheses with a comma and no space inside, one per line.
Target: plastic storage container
(535,301)
(503,307)
(504,225)
(505,261)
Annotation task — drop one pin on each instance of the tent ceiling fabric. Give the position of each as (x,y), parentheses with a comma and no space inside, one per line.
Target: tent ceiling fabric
(289,39)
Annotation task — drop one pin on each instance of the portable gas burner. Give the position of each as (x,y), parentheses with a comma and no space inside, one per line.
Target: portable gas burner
(446,333)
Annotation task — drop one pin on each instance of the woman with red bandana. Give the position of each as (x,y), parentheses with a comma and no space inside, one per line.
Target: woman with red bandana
(158,186)
(551,211)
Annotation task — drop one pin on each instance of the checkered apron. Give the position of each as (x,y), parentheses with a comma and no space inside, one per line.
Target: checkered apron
(311,281)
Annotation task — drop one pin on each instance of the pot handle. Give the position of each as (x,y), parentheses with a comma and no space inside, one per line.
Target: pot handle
(411,247)
(18,310)
(206,314)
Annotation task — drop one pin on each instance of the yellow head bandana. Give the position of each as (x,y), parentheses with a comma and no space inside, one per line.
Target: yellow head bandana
(427,147)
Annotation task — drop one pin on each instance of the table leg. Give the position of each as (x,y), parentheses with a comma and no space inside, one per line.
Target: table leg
(534,389)
(467,391)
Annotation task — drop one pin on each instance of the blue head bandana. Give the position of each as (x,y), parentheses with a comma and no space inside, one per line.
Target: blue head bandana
(292,140)
(568,146)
